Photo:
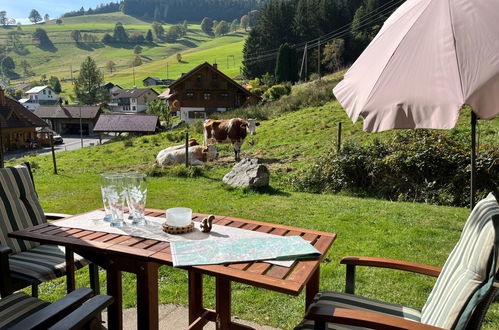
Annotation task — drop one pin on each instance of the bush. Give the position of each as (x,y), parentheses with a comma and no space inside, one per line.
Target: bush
(276,92)
(419,165)
(127,143)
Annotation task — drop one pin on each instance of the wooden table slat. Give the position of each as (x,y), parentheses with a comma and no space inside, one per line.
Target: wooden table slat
(95,235)
(279,231)
(81,234)
(293,233)
(259,267)
(131,241)
(69,232)
(106,237)
(145,244)
(249,226)
(279,271)
(158,247)
(240,265)
(118,239)
(264,229)
(310,237)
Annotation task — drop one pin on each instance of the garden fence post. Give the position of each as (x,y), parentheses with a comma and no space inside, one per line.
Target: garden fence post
(338,141)
(53,152)
(186,149)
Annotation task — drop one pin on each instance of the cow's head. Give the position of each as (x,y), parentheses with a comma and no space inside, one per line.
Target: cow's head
(210,152)
(251,125)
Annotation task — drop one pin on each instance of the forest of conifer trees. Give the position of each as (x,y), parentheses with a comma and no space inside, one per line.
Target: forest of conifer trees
(320,22)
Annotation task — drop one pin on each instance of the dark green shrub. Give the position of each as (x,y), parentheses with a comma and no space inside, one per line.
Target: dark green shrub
(419,165)
(128,143)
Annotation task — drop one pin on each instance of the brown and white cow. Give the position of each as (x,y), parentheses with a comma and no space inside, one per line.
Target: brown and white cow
(229,131)
(198,155)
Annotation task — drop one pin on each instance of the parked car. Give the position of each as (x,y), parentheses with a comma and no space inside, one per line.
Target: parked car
(57,138)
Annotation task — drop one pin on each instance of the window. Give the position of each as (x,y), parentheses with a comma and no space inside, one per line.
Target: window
(126,107)
(196,115)
(50,92)
(189,95)
(214,77)
(224,96)
(134,108)
(206,96)
(44,92)
(199,78)
(145,99)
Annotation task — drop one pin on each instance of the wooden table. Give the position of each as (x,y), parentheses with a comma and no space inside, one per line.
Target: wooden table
(117,253)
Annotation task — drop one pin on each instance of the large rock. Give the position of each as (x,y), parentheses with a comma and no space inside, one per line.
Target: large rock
(248,172)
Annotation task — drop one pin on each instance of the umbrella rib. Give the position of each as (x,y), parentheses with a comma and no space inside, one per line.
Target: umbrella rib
(455,51)
(393,53)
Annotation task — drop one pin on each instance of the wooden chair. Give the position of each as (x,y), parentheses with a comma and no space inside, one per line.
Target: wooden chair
(74,311)
(464,289)
(24,263)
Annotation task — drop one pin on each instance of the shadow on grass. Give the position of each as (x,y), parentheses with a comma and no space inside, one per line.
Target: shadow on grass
(268,190)
(187,43)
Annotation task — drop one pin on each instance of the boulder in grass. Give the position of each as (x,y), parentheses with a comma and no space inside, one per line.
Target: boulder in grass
(248,173)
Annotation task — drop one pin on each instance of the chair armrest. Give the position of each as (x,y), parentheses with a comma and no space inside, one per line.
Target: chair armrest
(322,314)
(56,216)
(392,264)
(5,279)
(86,314)
(49,315)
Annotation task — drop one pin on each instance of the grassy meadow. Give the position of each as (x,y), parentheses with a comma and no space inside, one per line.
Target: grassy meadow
(196,47)
(286,143)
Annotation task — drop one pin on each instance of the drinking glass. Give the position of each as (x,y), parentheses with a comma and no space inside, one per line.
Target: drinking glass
(115,191)
(104,182)
(136,190)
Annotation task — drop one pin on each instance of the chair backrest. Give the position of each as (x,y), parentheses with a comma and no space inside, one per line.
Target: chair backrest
(469,272)
(19,206)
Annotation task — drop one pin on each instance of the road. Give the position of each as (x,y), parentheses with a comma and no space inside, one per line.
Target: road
(71,142)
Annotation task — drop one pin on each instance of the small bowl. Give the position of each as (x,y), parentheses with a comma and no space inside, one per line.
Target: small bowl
(179,216)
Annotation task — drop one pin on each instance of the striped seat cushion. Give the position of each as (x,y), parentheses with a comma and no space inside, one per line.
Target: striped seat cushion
(469,272)
(42,263)
(349,301)
(19,206)
(18,306)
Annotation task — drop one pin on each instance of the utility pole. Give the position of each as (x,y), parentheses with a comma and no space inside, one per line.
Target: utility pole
(306,61)
(303,60)
(166,70)
(71,73)
(81,131)
(133,71)
(319,57)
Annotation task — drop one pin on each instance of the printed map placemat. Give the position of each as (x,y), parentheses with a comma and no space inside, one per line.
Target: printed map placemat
(212,252)
(154,230)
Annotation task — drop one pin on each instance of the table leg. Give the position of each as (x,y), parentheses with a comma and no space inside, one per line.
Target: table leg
(70,271)
(147,296)
(114,289)
(312,288)
(223,303)
(195,295)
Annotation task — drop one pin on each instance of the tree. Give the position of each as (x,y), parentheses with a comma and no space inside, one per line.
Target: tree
(234,26)
(46,17)
(55,84)
(8,66)
(222,28)
(137,61)
(87,86)
(3,18)
(207,26)
(158,29)
(185,27)
(174,33)
(179,58)
(253,17)
(41,36)
(286,64)
(119,34)
(110,66)
(34,16)
(137,50)
(58,21)
(26,67)
(332,54)
(107,39)
(76,35)
(149,36)
(160,108)
(245,22)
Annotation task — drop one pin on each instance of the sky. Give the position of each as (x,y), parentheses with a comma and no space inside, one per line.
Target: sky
(20,9)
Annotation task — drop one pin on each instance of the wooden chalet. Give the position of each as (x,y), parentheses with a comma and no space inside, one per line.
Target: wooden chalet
(205,90)
(17,124)
(66,119)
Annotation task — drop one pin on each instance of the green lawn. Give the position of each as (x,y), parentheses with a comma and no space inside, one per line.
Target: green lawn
(410,231)
(67,55)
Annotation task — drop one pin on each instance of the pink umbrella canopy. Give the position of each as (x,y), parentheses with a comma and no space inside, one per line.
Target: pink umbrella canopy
(430,58)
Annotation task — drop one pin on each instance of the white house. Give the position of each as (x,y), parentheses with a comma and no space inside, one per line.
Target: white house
(133,100)
(39,95)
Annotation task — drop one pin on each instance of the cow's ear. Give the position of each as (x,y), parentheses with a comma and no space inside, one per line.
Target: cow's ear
(257,124)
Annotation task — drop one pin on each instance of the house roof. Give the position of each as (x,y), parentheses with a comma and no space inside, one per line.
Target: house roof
(126,123)
(14,115)
(22,86)
(153,78)
(134,93)
(36,89)
(220,73)
(67,111)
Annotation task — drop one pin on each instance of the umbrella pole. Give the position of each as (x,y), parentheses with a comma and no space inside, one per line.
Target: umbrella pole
(473,159)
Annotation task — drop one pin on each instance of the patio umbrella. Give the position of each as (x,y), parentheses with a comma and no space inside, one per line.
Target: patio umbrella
(429,59)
